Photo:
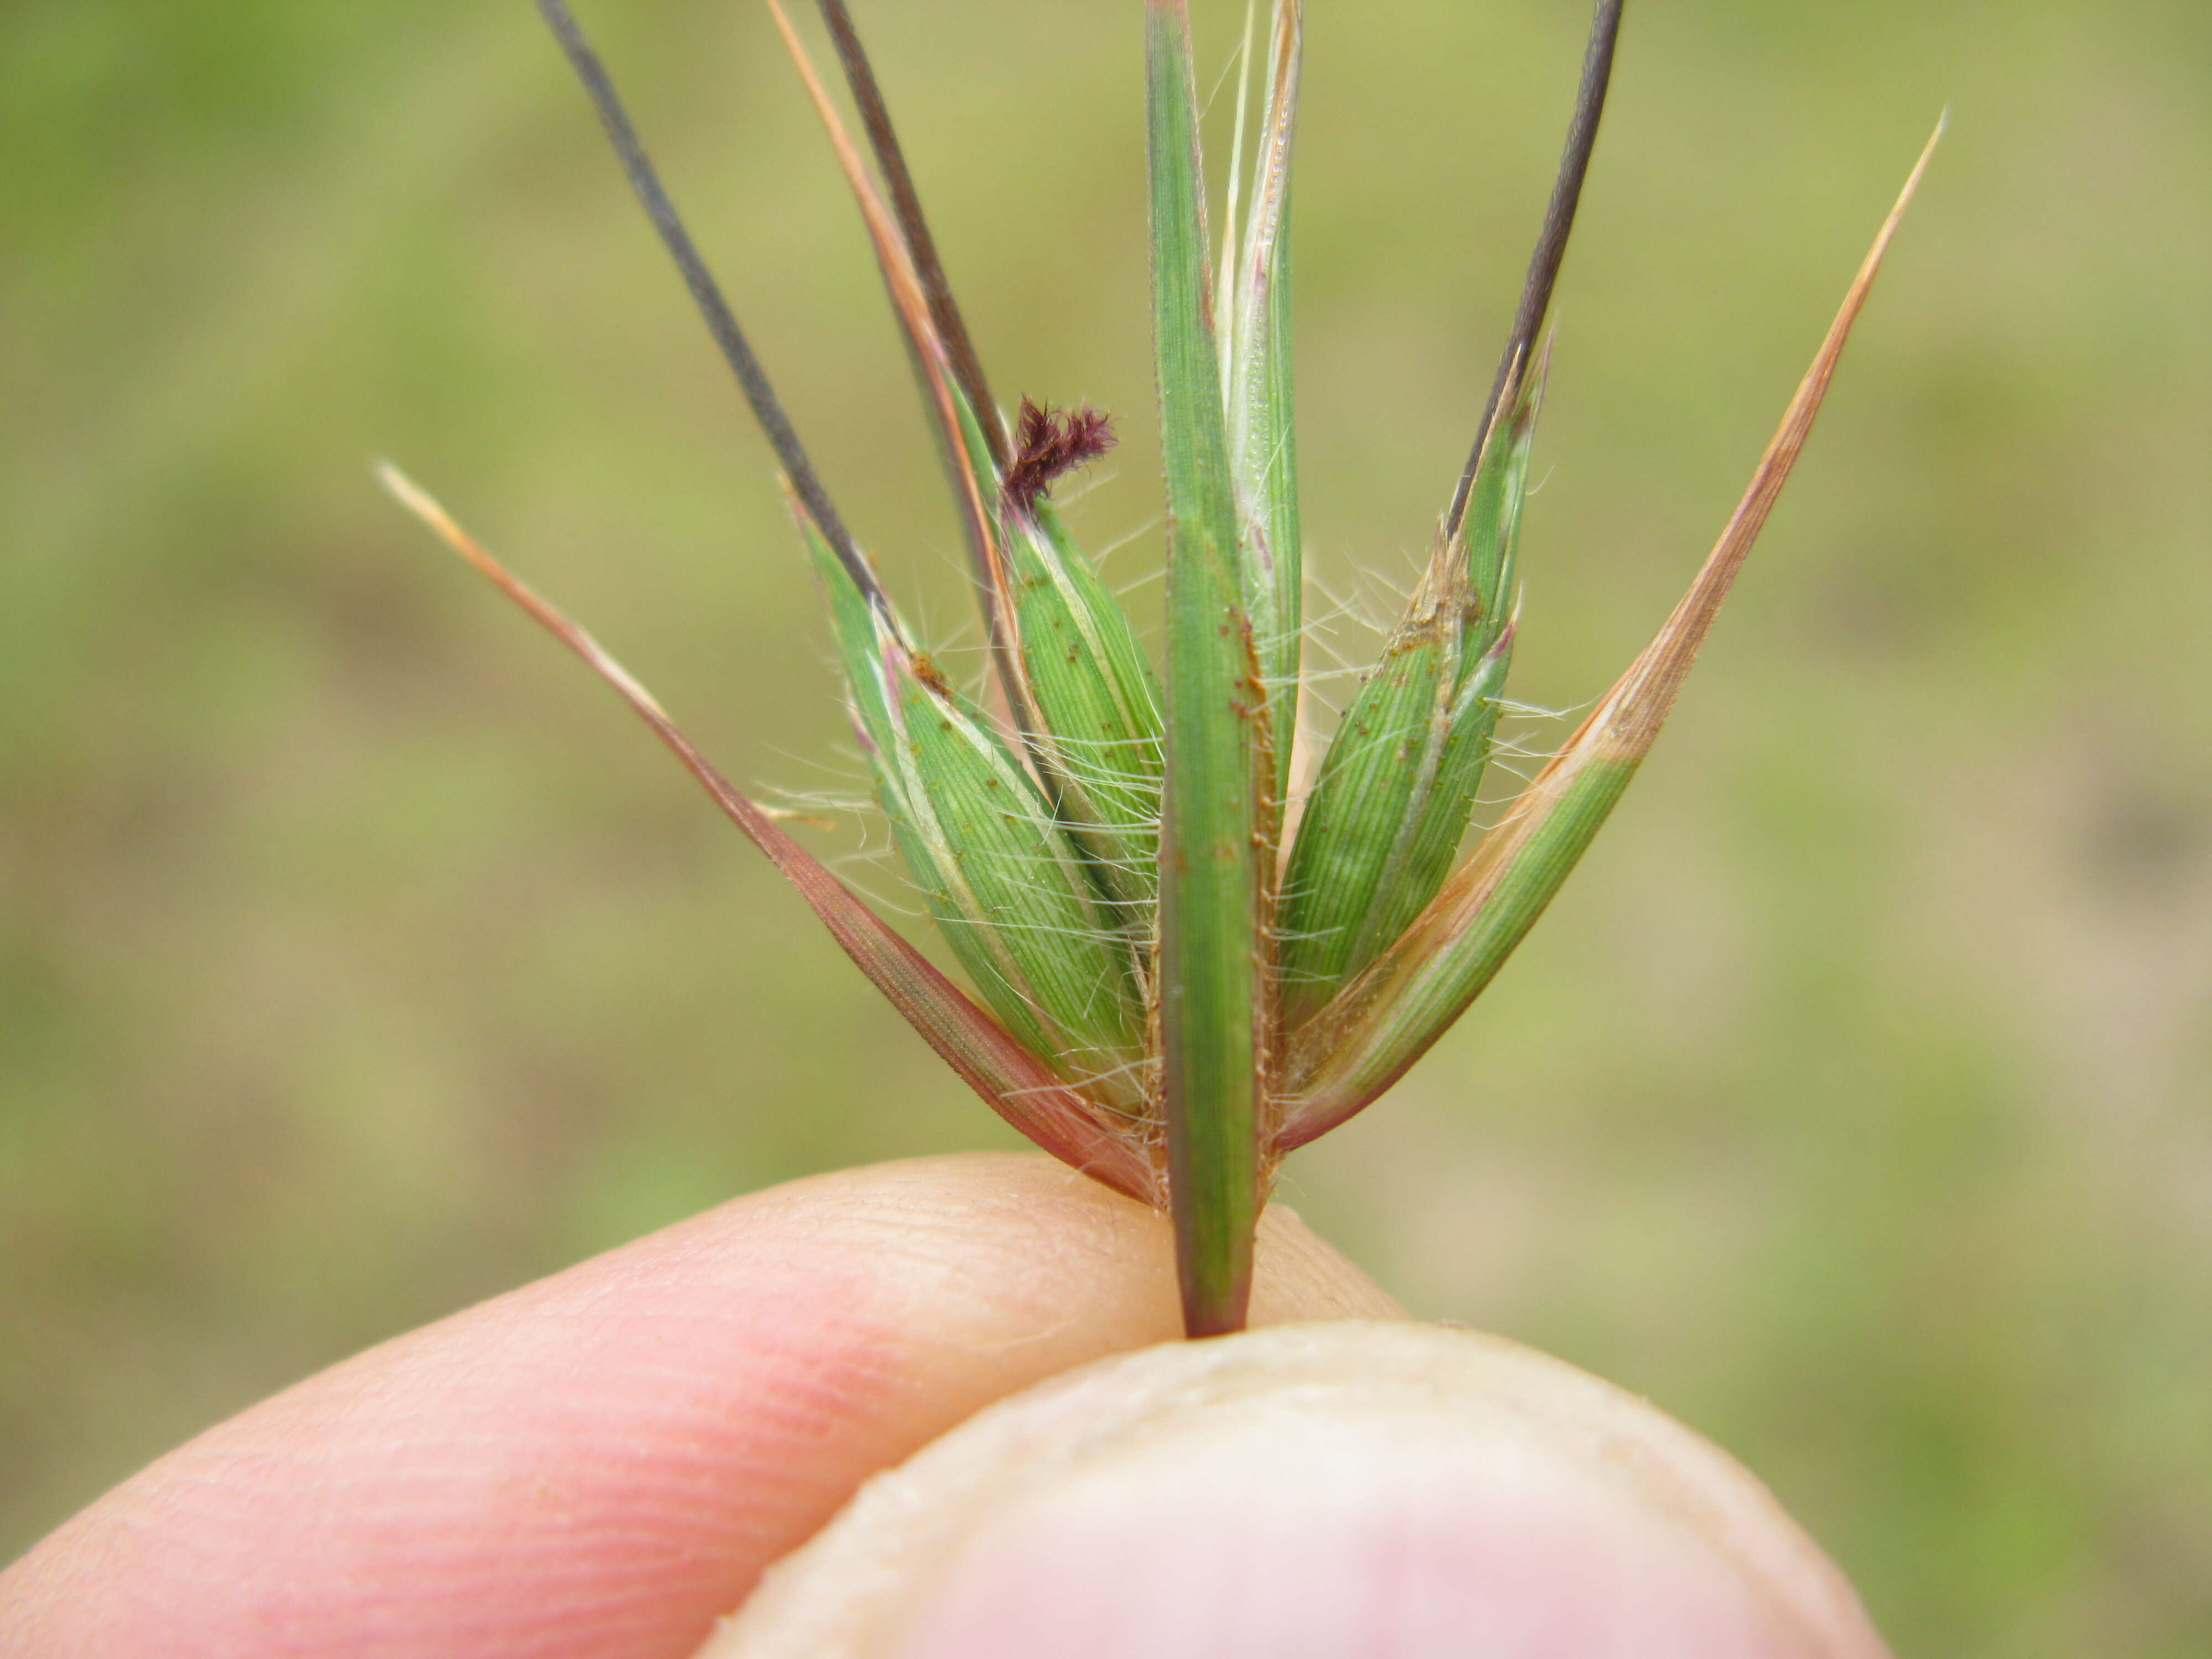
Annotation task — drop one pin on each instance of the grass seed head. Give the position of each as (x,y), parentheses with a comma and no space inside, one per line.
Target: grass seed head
(1159,1009)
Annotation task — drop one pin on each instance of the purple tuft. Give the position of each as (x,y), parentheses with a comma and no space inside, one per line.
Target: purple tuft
(1049,442)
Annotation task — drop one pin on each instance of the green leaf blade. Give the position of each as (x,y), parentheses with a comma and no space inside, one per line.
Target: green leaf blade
(1216,834)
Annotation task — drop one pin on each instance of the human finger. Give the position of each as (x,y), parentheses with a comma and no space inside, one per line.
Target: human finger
(603,1461)
(1394,1490)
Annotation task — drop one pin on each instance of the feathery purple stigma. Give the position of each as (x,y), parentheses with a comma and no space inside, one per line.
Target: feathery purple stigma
(1049,442)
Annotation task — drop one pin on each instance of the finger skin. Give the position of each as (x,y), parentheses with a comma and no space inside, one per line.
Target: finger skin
(1391,1491)
(603,1462)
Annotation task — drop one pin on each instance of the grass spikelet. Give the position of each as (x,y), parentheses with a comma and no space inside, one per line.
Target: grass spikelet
(1397,787)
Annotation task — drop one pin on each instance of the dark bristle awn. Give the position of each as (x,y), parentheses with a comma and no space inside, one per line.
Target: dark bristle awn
(766,408)
(906,204)
(1552,239)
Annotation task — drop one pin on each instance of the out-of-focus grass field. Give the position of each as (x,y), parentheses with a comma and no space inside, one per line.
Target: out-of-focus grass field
(359,958)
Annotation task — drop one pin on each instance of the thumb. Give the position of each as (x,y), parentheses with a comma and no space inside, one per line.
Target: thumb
(1398,1491)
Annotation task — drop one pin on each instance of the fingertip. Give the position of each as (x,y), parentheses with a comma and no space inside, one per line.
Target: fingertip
(1396,1491)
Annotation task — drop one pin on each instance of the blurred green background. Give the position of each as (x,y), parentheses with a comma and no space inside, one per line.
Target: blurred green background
(359,958)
